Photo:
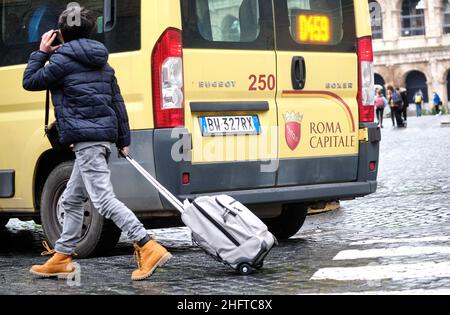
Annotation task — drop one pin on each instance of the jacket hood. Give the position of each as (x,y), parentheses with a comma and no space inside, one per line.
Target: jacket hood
(86,51)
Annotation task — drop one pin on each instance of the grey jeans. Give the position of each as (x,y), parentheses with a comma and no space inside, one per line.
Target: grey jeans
(91,177)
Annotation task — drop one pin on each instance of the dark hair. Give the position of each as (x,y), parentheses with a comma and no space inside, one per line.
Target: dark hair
(85,29)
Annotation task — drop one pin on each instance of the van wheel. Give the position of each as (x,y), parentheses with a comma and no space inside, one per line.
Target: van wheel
(98,235)
(289,222)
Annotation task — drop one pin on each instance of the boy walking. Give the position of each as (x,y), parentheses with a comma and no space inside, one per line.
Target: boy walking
(91,115)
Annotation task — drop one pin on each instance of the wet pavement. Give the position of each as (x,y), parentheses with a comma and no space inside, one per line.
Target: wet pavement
(396,240)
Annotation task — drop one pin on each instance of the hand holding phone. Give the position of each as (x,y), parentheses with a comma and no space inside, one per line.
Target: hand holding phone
(57,40)
(48,42)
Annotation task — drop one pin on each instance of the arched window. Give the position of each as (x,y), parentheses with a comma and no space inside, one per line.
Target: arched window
(376,19)
(380,83)
(416,82)
(446,17)
(413,18)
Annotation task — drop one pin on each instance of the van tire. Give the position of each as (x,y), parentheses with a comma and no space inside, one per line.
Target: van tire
(289,222)
(99,237)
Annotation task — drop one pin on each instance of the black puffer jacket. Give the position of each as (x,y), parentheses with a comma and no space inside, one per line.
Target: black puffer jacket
(87,99)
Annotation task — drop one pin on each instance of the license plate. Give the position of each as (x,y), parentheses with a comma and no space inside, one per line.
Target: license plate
(230,125)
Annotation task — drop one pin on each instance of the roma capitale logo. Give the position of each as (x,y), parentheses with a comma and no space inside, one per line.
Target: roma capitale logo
(293,129)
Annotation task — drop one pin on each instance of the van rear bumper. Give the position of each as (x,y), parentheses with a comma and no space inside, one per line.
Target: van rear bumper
(321,179)
(300,193)
(324,179)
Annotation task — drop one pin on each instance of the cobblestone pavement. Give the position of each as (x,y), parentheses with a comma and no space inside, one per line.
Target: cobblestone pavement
(395,240)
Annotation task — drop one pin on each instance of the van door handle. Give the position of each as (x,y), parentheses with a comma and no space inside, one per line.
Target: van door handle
(298,73)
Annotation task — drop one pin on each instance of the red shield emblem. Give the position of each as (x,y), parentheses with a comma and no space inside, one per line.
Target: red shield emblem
(293,130)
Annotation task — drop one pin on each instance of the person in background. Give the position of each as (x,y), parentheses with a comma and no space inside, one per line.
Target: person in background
(380,103)
(404,95)
(396,104)
(391,104)
(418,100)
(437,103)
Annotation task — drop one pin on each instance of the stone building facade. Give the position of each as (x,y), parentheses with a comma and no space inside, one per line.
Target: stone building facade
(412,45)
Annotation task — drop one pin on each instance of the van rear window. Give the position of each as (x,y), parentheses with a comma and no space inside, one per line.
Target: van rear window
(316,25)
(227,24)
(219,23)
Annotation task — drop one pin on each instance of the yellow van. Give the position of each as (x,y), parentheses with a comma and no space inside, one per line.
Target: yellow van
(269,101)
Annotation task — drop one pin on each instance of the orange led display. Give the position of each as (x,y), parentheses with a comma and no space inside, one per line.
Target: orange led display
(313,28)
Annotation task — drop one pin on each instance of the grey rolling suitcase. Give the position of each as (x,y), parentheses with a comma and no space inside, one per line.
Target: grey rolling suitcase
(221,226)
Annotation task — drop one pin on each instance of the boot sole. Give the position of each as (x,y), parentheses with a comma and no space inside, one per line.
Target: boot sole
(164,259)
(62,276)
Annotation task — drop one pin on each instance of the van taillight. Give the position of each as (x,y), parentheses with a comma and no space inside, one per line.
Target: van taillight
(366,88)
(168,85)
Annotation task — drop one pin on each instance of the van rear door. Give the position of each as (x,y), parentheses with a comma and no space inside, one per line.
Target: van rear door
(317,78)
(230,86)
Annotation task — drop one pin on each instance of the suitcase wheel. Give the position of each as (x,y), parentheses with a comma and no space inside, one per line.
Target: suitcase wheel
(245,269)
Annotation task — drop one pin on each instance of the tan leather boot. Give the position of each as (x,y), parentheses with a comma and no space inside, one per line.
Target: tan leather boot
(148,258)
(58,266)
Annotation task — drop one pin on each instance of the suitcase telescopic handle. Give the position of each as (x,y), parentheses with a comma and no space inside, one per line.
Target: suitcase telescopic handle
(161,189)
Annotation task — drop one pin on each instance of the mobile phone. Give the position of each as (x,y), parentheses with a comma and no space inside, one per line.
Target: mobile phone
(57,40)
